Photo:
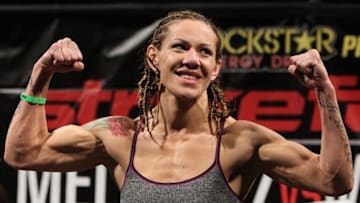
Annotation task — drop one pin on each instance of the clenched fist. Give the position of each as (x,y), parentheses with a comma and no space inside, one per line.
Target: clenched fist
(309,69)
(62,56)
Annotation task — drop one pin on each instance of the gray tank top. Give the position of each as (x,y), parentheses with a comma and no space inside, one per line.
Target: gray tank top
(209,186)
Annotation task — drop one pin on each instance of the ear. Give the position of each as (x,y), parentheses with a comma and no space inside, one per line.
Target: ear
(217,69)
(152,57)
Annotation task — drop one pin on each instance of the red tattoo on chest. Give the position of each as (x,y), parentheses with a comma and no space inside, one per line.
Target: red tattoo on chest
(119,127)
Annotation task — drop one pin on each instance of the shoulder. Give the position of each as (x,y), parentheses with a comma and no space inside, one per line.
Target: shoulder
(115,134)
(242,141)
(116,125)
(254,132)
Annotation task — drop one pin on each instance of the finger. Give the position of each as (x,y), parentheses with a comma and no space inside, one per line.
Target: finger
(66,52)
(297,74)
(308,61)
(302,78)
(51,56)
(78,66)
(56,53)
(77,55)
(305,66)
(71,51)
(292,69)
(309,82)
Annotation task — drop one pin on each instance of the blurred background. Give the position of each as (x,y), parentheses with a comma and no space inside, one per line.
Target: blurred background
(258,39)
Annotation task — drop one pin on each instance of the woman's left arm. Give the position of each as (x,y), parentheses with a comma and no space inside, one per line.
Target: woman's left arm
(335,154)
(330,172)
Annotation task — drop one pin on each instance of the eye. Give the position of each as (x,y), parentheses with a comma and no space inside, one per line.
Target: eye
(206,51)
(179,46)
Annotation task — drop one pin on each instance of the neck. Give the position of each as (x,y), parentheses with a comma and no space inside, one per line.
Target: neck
(176,115)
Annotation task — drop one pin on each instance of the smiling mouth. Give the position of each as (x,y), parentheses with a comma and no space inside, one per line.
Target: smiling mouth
(191,75)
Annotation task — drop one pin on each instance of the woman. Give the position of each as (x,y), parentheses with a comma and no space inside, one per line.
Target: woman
(187,148)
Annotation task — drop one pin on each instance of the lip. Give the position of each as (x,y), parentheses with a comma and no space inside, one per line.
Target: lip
(192,73)
(188,77)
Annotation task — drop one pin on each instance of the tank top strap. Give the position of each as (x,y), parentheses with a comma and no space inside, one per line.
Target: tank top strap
(134,140)
(218,140)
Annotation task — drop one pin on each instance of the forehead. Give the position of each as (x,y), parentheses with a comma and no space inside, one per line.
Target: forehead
(190,29)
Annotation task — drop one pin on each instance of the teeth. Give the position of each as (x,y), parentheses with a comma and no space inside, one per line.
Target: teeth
(188,76)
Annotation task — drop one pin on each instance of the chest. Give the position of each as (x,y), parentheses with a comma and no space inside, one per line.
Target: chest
(174,161)
(209,187)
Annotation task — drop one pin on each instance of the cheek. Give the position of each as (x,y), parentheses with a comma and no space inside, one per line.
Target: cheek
(166,68)
(164,74)
(212,70)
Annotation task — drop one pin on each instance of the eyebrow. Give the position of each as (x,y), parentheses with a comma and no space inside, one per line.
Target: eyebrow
(201,44)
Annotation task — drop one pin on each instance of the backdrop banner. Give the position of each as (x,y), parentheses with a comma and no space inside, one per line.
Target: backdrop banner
(256,52)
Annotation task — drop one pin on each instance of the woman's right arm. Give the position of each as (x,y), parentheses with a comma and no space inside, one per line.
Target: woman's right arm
(29,144)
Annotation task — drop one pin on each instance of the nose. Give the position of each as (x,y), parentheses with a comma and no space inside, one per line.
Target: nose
(191,59)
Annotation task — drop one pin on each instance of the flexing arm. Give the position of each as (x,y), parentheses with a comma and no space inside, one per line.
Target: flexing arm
(29,145)
(330,172)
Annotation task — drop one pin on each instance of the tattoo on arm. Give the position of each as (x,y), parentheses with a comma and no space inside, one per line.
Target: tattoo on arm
(335,116)
(98,123)
(117,126)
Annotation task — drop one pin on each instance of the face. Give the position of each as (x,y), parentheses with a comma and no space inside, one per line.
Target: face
(186,60)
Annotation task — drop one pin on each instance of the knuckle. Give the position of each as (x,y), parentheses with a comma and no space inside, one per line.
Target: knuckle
(314,54)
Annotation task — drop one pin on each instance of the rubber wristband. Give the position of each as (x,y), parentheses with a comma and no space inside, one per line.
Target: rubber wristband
(31,99)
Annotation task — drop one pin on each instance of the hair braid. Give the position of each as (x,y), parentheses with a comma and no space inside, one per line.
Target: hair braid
(218,105)
(148,87)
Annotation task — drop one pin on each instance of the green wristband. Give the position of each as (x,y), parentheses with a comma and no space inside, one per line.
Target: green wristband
(31,99)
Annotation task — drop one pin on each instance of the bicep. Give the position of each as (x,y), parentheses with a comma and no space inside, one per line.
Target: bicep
(68,148)
(284,153)
(72,138)
(291,163)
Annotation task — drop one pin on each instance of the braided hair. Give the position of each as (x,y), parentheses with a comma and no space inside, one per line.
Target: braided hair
(149,83)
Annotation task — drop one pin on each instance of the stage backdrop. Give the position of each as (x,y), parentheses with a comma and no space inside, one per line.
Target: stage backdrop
(257,43)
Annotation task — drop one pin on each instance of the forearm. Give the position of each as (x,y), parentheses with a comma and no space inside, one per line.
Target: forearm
(335,155)
(38,84)
(28,128)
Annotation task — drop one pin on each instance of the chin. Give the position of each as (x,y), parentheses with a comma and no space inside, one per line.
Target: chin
(189,97)
(186,94)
